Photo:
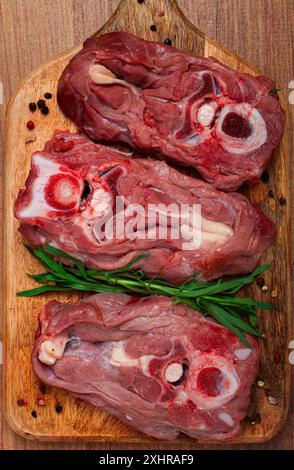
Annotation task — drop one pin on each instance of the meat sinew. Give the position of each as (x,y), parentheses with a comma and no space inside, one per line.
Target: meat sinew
(160,367)
(74,184)
(193,110)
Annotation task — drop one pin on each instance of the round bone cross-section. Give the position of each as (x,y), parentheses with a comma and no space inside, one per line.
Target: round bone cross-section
(174,372)
(212,381)
(62,191)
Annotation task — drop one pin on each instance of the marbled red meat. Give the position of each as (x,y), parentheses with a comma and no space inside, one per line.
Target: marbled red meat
(166,102)
(73,185)
(160,367)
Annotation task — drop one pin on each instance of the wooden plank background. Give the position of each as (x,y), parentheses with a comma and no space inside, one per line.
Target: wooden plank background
(31,31)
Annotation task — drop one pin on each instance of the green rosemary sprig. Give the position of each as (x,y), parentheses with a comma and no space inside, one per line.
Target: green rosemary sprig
(274,91)
(216,299)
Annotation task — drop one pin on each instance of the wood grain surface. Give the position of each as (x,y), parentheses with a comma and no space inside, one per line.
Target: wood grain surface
(71,19)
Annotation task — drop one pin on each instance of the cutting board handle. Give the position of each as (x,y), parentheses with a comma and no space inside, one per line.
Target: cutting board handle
(137,17)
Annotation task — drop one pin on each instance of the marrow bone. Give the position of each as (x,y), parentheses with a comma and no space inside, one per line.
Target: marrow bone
(39,205)
(228,386)
(120,358)
(258,134)
(173,372)
(206,233)
(206,113)
(103,76)
(52,349)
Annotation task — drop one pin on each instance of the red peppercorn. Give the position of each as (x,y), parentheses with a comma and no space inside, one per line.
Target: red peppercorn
(30,125)
(277,357)
(41,401)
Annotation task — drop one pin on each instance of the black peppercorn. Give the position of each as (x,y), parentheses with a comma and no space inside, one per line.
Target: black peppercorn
(48,95)
(167,42)
(33,107)
(58,409)
(41,104)
(34,414)
(45,110)
(20,402)
(153,27)
(260,281)
(282,201)
(271,193)
(265,176)
(141,1)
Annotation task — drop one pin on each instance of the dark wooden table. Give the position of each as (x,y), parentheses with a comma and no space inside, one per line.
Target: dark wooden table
(31,31)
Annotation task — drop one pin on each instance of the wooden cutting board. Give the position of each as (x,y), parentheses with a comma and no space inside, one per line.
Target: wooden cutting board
(38,418)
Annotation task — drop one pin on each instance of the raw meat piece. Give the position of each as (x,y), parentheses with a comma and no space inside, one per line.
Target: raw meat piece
(73,185)
(160,367)
(166,102)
